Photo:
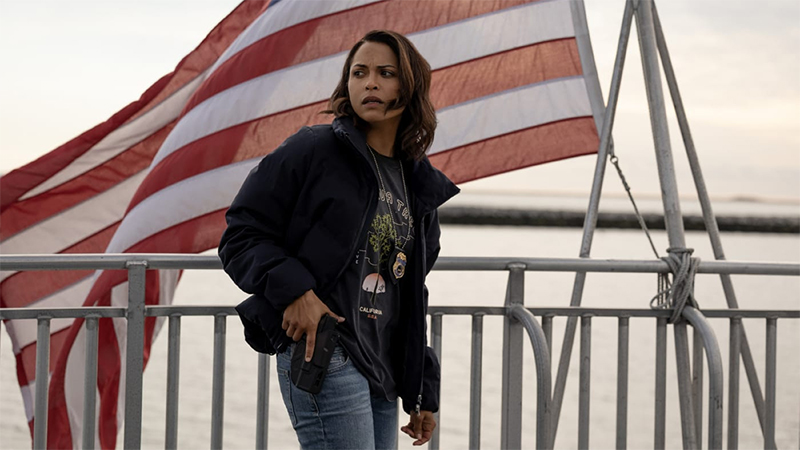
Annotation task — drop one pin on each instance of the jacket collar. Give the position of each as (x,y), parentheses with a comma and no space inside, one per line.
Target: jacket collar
(430,187)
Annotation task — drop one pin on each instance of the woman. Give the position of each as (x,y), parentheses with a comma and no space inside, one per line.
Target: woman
(341,220)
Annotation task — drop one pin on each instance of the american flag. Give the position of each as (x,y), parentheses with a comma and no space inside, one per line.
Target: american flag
(514,85)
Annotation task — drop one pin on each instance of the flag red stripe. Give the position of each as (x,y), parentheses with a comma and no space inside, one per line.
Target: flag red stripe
(28,212)
(238,143)
(544,143)
(23,288)
(452,85)
(520,67)
(336,33)
(108,376)
(193,236)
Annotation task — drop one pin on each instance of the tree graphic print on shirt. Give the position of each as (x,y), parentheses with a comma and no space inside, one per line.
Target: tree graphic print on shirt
(382,236)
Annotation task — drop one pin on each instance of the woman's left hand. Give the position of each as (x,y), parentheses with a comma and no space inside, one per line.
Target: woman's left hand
(420,427)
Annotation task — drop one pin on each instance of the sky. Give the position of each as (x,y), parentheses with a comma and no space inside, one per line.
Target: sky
(69,65)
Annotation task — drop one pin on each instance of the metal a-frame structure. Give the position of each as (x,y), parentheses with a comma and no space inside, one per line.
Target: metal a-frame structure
(652,46)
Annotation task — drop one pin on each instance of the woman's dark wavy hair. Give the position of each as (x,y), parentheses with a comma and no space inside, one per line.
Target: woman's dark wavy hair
(418,122)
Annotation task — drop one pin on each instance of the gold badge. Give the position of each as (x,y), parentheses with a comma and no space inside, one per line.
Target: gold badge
(399,267)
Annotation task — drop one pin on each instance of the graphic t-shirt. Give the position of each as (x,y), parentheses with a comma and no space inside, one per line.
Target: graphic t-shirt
(368,293)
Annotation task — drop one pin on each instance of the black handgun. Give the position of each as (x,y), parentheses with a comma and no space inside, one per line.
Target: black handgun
(308,376)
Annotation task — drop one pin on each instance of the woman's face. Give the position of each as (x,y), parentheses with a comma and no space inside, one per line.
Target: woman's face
(374,82)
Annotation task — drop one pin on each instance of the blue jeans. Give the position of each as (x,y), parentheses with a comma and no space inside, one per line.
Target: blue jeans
(343,415)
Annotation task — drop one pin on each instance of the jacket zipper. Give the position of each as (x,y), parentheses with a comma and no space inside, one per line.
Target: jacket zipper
(423,349)
(364,215)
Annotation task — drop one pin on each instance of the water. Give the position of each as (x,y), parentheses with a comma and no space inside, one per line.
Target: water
(487,288)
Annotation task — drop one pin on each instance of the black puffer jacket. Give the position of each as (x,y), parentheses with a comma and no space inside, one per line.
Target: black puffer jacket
(294,226)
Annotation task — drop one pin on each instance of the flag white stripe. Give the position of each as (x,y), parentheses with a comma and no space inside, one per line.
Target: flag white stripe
(53,235)
(313,81)
(27,399)
(75,368)
(23,332)
(123,137)
(73,378)
(509,111)
(28,394)
(284,15)
(494,32)
(26,331)
(119,297)
(179,202)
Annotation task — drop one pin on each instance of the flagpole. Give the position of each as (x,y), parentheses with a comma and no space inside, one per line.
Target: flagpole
(590,221)
(645,28)
(708,213)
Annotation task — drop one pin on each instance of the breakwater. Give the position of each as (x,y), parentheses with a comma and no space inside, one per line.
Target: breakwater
(463,215)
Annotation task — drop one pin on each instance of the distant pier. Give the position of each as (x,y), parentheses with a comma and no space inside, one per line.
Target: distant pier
(460,215)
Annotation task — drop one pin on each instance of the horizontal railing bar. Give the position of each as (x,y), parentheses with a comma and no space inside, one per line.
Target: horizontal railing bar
(88,261)
(187,261)
(61,313)
(615,312)
(750,313)
(212,310)
(609,265)
(206,310)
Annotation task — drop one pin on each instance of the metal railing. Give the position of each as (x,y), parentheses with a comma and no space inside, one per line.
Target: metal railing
(517,318)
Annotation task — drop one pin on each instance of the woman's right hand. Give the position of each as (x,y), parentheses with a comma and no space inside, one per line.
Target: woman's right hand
(302,317)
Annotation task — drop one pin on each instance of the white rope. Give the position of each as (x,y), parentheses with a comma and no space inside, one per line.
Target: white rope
(675,297)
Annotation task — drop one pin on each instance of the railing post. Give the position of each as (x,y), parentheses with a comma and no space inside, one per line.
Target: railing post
(218,381)
(715,375)
(262,402)
(475,382)
(90,383)
(134,353)
(541,356)
(511,409)
(42,382)
(436,338)
(684,385)
(733,383)
(173,376)
(622,383)
(547,327)
(697,384)
(769,384)
(585,381)
(660,435)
